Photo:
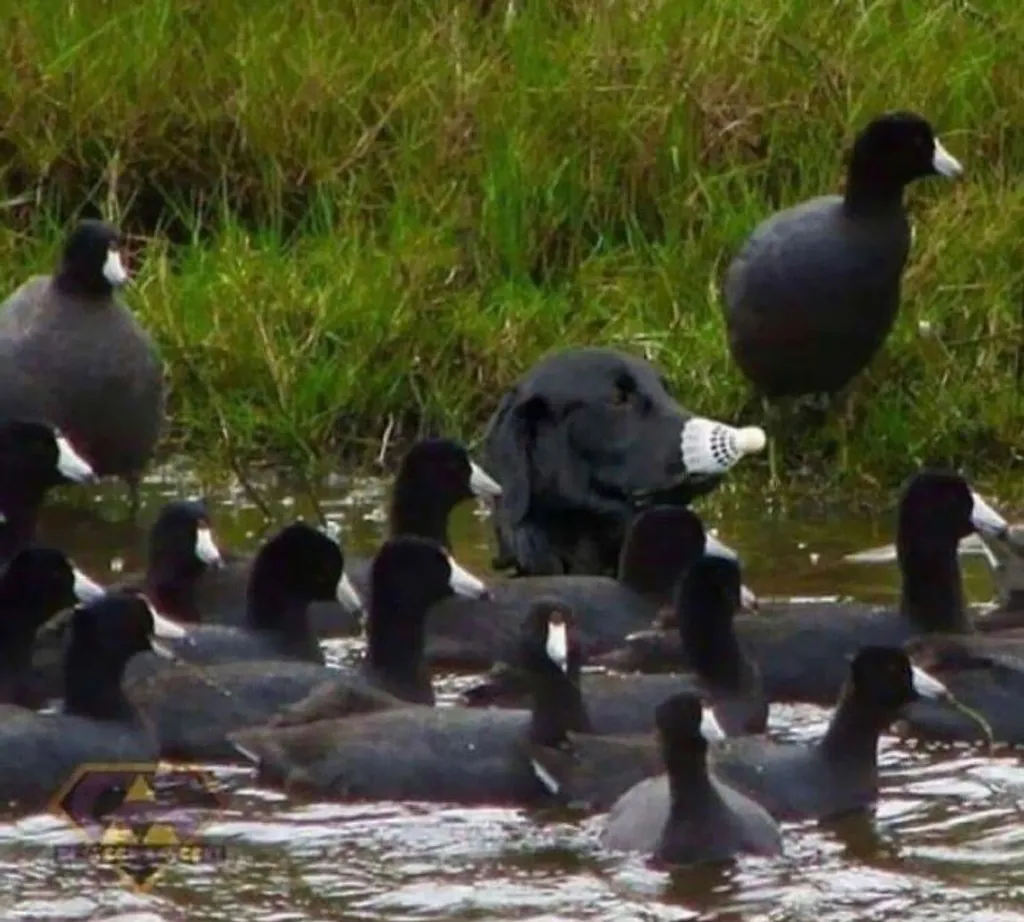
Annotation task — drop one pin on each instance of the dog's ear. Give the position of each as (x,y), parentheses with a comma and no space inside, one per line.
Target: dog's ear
(509,442)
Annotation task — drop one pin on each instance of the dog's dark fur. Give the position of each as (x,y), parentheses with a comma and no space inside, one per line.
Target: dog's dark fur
(578,444)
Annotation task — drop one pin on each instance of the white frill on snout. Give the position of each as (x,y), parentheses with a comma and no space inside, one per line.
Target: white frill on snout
(711,447)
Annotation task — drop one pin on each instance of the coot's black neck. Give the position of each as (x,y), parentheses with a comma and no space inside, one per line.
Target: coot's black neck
(15,667)
(283,616)
(418,512)
(713,650)
(932,594)
(558,707)
(853,732)
(78,283)
(395,647)
(92,686)
(868,195)
(173,593)
(688,779)
(19,513)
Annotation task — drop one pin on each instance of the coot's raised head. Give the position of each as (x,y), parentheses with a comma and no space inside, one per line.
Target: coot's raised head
(91,262)
(661,543)
(182,536)
(548,641)
(884,679)
(685,724)
(112,629)
(34,457)
(409,574)
(894,150)
(940,507)
(444,466)
(298,565)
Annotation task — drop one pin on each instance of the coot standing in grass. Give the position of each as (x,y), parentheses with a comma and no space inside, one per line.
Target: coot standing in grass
(814,291)
(71,353)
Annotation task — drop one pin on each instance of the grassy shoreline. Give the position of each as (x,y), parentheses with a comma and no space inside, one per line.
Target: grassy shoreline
(350,215)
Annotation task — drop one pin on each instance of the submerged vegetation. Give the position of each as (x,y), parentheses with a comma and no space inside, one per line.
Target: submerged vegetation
(353,217)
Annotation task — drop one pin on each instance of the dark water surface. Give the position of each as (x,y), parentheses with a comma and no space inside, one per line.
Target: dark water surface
(947,841)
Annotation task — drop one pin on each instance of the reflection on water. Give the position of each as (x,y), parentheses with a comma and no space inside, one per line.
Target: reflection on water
(946,841)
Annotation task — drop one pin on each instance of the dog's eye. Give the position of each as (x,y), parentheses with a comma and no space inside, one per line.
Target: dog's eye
(620,397)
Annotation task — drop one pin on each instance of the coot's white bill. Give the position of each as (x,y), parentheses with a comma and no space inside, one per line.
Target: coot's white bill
(986,520)
(710,728)
(557,645)
(71,464)
(113,269)
(481,483)
(944,162)
(164,627)
(718,548)
(206,548)
(86,589)
(465,583)
(927,686)
(347,594)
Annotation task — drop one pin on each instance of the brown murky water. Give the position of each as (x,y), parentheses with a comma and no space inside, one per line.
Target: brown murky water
(946,841)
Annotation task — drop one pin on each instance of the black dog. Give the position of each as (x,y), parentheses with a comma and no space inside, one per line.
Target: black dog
(583,440)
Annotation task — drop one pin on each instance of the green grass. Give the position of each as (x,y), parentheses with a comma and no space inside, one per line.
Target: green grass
(356,213)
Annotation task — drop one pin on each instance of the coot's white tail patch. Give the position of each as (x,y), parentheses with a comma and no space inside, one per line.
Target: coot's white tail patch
(481,483)
(545,777)
(711,447)
(247,753)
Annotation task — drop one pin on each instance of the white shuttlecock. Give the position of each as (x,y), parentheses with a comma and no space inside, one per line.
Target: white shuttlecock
(711,447)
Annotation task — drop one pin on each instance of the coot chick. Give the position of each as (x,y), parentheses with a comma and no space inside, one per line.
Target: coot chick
(660,544)
(96,724)
(706,599)
(803,654)
(35,584)
(72,354)
(433,478)
(34,458)
(837,774)
(688,816)
(409,575)
(814,291)
(297,566)
(454,755)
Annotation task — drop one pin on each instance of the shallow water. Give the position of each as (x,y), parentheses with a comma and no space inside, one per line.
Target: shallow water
(946,840)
